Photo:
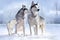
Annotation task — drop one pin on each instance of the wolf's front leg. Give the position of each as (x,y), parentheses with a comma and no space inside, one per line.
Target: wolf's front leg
(30,30)
(36,30)
(23,30)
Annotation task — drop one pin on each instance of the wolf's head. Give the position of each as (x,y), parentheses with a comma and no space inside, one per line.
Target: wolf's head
(34,7)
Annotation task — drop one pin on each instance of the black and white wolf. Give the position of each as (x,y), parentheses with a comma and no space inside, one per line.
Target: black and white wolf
(35,20)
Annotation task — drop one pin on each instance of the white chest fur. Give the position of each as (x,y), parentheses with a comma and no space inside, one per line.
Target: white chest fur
(37,20)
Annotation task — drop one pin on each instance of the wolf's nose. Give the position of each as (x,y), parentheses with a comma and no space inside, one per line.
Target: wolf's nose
(38,9)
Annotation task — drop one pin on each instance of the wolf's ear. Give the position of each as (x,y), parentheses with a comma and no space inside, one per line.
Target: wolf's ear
(37,3)
(33,3)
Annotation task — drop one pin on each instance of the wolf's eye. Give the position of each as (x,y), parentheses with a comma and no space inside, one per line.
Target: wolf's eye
(36,4)
(25,9)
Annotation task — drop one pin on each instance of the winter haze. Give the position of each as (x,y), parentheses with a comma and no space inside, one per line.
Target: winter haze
(49,9)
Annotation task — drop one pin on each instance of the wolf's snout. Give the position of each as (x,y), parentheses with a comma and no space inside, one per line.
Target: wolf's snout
(38,9)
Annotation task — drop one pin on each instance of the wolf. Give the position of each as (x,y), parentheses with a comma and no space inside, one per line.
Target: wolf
(35,20)
(10,25)
(20,16)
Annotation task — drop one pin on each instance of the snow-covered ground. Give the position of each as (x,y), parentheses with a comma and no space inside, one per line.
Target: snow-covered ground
(52,33)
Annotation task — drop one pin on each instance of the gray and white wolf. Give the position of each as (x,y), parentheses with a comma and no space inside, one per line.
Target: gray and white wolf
(10,25)
(18,23)
(35,20)
(20,16)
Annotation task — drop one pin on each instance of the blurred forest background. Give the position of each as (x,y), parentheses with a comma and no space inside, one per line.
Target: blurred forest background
(49,9)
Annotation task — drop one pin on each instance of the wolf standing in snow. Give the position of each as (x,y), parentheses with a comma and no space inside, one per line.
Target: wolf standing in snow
(20,20)
(35,20)
(10,25)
